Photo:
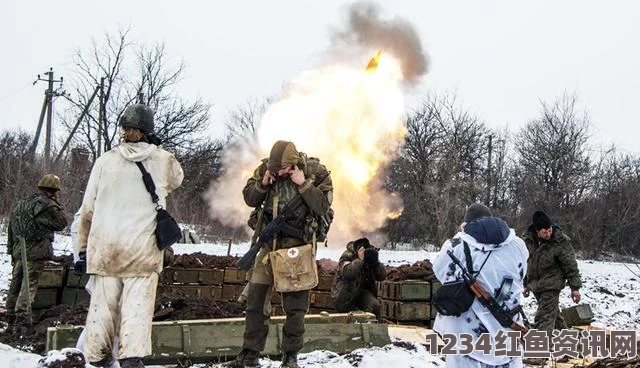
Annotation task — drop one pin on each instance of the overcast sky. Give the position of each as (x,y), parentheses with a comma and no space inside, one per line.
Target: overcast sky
(500,57)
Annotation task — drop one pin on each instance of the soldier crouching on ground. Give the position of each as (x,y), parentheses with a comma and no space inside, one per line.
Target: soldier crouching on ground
(283,178)
(34,218)
(354,286)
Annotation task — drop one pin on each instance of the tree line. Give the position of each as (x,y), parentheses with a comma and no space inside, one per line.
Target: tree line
(450,159)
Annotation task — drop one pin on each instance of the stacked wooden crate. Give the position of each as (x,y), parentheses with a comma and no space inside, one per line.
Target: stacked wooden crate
(319,298)
(407,301)
(50,284)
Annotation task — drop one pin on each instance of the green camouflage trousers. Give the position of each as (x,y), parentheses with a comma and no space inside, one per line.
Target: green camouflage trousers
(548,316)
(15,300)
(364,301)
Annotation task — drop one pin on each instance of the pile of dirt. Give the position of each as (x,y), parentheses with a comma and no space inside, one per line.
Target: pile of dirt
(421,270)
(201,260)
(182,307)
(327,267)
(35,340)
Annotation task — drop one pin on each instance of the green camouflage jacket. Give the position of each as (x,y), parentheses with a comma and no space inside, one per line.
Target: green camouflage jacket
(317,199)
(552,263)
(353,275)
(34,218)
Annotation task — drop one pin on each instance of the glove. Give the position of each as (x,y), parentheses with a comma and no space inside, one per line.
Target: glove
(80,267)
(371,256)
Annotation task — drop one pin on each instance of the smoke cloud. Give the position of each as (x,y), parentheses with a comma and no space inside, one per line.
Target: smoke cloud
(347,112)
(366,27)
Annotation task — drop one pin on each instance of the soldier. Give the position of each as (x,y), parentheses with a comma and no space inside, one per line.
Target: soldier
(33,218)
(354,286)
(275,182)
(116,240)
(552,264)
(497,258)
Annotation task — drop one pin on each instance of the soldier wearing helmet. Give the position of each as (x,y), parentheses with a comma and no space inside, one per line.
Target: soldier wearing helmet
(34,218)
(116,241)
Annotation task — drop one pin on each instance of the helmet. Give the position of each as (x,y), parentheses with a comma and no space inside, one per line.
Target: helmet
(138,116)
(49,181)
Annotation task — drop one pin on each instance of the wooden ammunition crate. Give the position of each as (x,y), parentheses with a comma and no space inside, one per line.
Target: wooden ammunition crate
(406,311)
(231,292)
(201,276)
(76,281)
(320,299)
(409,290)
(578,315)
(234,276)
(324,282)
(52,276)
(207,340)
(46,298)
(75,296)
(213,292)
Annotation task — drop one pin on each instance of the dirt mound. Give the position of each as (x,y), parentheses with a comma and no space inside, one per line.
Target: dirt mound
(201,260)
(182,307)
(326,266)
(421,270)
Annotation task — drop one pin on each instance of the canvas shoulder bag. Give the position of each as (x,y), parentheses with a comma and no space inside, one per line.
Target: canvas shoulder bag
(294,269)
(167,230)
(454,298)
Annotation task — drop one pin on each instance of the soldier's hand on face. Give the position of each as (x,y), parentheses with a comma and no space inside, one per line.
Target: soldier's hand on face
(361,253)
(267,178)
(575,295)
(297,175)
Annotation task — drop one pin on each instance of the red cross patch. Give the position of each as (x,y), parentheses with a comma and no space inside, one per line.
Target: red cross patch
(292,252)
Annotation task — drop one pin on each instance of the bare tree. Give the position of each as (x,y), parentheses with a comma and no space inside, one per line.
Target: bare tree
(132,73)
(552,151)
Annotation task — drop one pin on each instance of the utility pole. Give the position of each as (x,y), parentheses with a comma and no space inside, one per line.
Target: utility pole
(48,105)
(488,200)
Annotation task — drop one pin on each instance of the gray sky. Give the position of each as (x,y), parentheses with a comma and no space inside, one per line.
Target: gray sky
(499,57)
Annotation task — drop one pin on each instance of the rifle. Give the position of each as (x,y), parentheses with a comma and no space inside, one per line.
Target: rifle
(25,280)
(502,314)
(278,224)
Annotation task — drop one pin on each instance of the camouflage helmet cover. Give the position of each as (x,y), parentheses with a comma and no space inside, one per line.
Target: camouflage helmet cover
(283,154)
(49,181)
(138,116)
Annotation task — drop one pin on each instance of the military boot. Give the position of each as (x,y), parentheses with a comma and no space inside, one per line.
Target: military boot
(289,360)
(102,363)
(134,362)
(246,359)
(11,324)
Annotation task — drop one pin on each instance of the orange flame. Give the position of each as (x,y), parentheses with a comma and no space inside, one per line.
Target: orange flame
(373,63)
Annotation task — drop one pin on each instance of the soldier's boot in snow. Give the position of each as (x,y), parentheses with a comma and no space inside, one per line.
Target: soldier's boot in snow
(246,359)
(11,324)
(289,360)
(102,363)
(131,363)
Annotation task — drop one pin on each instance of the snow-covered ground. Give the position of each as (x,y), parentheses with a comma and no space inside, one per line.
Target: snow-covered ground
(610,288)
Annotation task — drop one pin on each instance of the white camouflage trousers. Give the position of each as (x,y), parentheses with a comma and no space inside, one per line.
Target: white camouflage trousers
(122,307)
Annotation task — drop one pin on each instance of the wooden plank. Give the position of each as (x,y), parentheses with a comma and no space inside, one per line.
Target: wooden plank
(231,292)
(234,276)
(321,299)
(324,282)
(213,292)
(46,298)
(52,277)
(405,311)
(76,281)
(201,276)
(74,296)
(413,334)
(409,290)
(222,339)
